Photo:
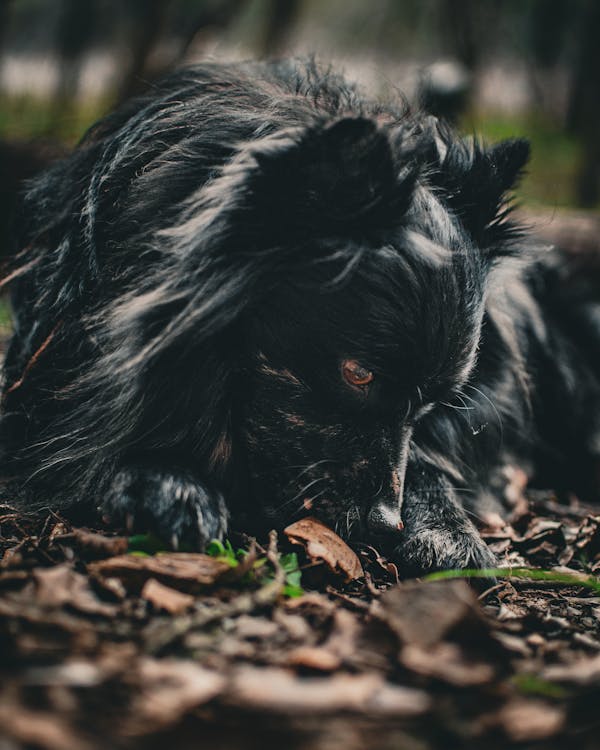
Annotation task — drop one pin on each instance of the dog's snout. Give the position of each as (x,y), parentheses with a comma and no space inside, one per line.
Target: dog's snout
(385,518)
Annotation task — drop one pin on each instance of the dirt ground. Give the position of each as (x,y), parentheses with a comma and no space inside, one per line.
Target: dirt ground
(106,646)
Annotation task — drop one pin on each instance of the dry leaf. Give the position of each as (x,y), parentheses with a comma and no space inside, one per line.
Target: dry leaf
(426,614)
(91,545)
(447,662)
(314,657)
(280,691)
(166,598)
(324,545)
(529,720)
(186,571)
(580,672)
(168,689)
(38,729)
(61,586)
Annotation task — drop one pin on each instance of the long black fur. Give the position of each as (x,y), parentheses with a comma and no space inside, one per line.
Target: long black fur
(189,282)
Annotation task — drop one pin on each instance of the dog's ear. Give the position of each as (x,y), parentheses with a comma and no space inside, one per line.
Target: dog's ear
(475,181)
(340,177)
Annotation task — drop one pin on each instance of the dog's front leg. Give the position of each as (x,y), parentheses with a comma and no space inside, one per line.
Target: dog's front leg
(437,533)
(173,504)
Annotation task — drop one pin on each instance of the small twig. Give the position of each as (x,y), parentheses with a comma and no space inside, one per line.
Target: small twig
(352,601)
(160,638)
(487,592)
(16,272)
(34,358)
(371,587)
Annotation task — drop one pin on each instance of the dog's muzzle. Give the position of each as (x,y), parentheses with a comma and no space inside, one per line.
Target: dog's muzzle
(385,516)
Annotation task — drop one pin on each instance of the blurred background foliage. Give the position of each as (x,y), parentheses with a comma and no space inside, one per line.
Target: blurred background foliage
(496,67)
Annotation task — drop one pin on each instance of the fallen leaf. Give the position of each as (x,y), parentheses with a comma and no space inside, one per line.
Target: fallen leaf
(61,586)
(426,614)
(167,689)
(166,598)
(73,673)
(280,691)
(255,628)
(530,720)
(324,545)
(314,657)
(447,662)
(186,571)
(38,729)
(91,545)
(344,636)
(580,672)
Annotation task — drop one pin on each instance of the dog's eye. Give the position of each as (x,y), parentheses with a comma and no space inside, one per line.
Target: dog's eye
(355,374)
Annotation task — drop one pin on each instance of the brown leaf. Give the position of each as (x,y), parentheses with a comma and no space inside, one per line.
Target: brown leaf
(344,636)
(425,613)
(166,598)
(324,545)
(447,662)
(167,690)
(38,729)
(61,585)
(530,720)
(314,657)
(185,571)
(92,546)
(581,672)
(381,570)
(255,628)
(588,537)
(280,691)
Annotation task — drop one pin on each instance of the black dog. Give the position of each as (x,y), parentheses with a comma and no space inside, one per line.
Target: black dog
(254,294)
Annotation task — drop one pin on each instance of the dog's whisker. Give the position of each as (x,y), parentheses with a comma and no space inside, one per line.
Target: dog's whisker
(302,492)
(470,512)
(494,408)
(379,490)
(312,466)
(302,508)
(304,468)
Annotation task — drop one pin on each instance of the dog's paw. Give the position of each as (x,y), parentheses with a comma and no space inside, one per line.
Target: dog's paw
(431,550)
(175,507)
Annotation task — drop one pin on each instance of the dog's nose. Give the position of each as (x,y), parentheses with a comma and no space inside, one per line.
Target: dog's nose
(384,518)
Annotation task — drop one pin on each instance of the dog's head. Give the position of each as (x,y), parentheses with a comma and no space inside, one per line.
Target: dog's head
(340,273)
(377,317)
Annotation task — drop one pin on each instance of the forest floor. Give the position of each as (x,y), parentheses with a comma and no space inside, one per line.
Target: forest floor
(297,643)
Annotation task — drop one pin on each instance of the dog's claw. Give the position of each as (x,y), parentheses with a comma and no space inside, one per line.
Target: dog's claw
(174,507)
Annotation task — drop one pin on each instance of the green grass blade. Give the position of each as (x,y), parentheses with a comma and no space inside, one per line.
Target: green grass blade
(534,574)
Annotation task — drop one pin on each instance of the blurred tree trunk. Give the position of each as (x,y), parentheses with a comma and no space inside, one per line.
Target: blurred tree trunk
(75,33)
(281,16)
(584,106)
(4,9)
(215,17)
(548,25)
(148,17)
(461,30)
